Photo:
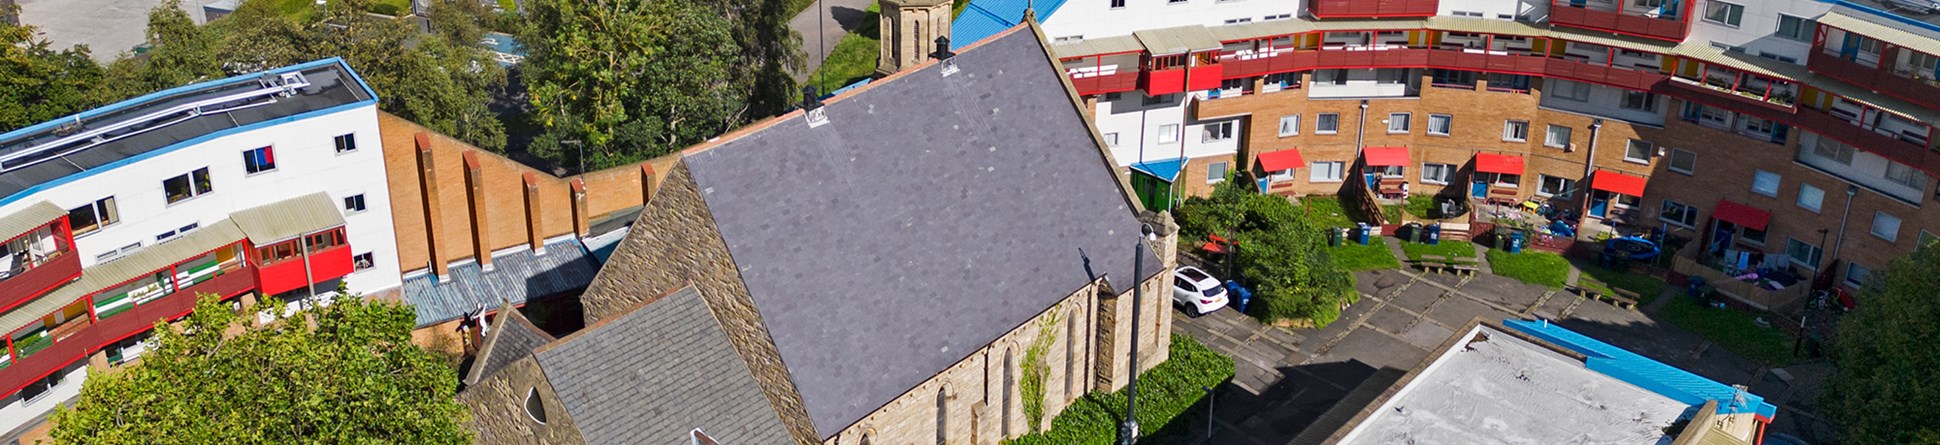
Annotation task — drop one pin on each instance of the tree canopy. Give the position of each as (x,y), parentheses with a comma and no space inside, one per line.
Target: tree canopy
(39,83)
(1882,389)
(343,373)
(1282,256)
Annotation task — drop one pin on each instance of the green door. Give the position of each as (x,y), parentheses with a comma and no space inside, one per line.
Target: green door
(1155,193)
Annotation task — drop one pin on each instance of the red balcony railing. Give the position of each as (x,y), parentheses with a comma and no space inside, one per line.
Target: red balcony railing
(1333,9)
(1602,74)
(1825,124)
(1125,80)
(1168,81)
(62,267)
(1714,96)
(1672,28)
(1881,78)
(87,337)
(329,264)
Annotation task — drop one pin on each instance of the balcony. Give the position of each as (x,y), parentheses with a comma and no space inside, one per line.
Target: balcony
(76,339)
(1839,129)
(1715,94)
(1336,9)
(1368,57)
(35,275)
(1282,60)
(1670,28)
(1602,74)
(1924,92)
(330,263)
(1175,80)
(1093,83)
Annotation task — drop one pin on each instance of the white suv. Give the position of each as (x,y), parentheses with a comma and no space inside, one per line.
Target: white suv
(1196,291)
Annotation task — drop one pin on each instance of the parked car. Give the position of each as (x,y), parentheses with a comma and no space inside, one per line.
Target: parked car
(1197,291)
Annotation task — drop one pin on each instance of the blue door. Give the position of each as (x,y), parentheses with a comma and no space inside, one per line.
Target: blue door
(1850,50)
(1600,204)
(1479,190)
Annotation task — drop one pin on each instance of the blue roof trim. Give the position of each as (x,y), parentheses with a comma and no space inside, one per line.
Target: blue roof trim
(186,88)
(985,18)
(1166,169)
(1651,375)
(851,87)
(1887,15)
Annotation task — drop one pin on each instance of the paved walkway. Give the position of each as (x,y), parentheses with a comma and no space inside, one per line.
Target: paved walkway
(1285,379)
(830,20)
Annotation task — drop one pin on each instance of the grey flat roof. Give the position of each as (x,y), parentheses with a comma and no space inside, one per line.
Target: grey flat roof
(332,86)
(518,277)
(649,376)
(929,217)
(1506,390)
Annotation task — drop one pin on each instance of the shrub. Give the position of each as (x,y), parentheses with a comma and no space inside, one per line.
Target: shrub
(1164,392)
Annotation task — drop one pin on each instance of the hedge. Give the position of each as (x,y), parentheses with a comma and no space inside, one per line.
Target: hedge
(1165,392)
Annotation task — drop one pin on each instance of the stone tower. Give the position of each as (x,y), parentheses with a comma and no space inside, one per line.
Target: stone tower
(909,31)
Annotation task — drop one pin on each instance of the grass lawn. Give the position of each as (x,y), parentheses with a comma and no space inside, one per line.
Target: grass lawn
(1542,268)
(303,8)
(508,5)
(1393,213)
(1421,206)
(1325,211)
(1373,256)
(1733,330)
(1600,279)
(1449,249)
(853,59)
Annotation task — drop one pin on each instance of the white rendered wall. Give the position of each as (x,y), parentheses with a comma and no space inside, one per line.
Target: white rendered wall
(1091,19)
(16,412)
(1603,101)
(1494,9)
(1755,32)
(306,162)
(1866,169)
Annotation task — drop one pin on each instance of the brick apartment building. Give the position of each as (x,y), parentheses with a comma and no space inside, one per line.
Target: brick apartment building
(869,271)
(1793,134)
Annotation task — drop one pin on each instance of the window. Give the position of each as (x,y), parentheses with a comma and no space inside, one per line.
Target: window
(354,204)
(187,186)
(169,235)
(1218,131)
(1281,81)
(363,261)
(1563,89)
(1728,14)
(1507,180)
(1290,125)
(1751,236)
(1810,197)
(1762,128)
(1215,172)
(1639,101)
(1513,83)
(1115,4)
(40,387)
(942,417)
(1277,17)
(1515,131)
(1555,186)
(1439,124)
(1558,136)
(1886,227)
(1802,253)
(1927,238)
(1707,116)
(1638,151)
(1331,77)
(1679,214)
(534,406)
(1111,139)
(1398,122)
(259,160)
(1437,173)
(1153,100)
(1071,354)
(1168,133)
(346,143)
(1904,175)
(91,217)
(1239,20)
(1328,123)
(1796,28)
(1764,183)
(1856,274)
(1832,150)
(1325,171)
(1683,161)
(1452,79)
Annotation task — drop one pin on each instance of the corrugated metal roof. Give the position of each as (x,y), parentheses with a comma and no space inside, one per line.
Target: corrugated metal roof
(985,18)
(1855,21)
(28,219)
(288,218)
(113,273)
(1868,98)
(1092,47)
(518,277)
(1176,40)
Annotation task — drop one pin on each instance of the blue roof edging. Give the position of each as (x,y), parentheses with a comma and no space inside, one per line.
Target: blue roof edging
(185,88)
(1886,15)
(1651,375)
(985,18)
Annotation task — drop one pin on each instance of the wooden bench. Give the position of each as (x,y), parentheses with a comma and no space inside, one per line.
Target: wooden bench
(1625,299)
(1434,263)
(1464,265)
(1621,298)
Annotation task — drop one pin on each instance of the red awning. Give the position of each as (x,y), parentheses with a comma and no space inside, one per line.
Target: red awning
(1610,181)
(1385,156)
(1281,160)
(1494,163)
(1740,214)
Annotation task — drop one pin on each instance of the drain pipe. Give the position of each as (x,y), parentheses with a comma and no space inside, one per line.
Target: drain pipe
(1840,242)
(1589,172)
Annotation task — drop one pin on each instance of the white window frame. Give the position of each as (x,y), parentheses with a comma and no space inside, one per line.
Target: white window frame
(1446,173)
(1856,282)
(1169,134)
(1400,123)
(1771,180)
(343,148)
(1713,6)
(1632,145)
(1320,124)
(1510,127)
(1290,125)
(1664,212)
(1325,171)
(1566,186)
(1216,132)
(1892,235)
(1818,202)
(1550,132)
(1818,253)
(1111,139)
(362,201)
(1222,168)
(1675,154)
(1807,28)
(1447,124)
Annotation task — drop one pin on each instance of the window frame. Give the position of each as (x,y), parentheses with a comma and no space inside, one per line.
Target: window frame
(1890,236)
(1849,280)
(1168,131)
(1447,126)
(1672,163)
(1633,144)
(1566,186)
(1550,131)
(1321,127)
(362,204)
(1224,167)
(1404,120)
(1714,7)
(1760,175)
(97,208)
(345,148)
(1806,28)
(196,181)
(1688,211)
(1520,126)
(251,168)
(1290,125)
(1336,168)
(1445,175)
(1818,203)
(1818,253)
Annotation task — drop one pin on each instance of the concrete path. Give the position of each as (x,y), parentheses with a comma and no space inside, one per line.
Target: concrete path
(833,21)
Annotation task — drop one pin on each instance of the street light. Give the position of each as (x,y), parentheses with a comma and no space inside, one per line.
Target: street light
(1210,398)
(1128,429)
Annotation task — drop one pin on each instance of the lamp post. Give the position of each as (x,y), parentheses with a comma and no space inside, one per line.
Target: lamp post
(1210,398)
(1128,429)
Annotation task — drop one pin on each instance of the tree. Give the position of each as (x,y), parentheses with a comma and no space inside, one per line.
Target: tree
(630,79)
(1282,256)
(39,83)
(343,373)
(1882,391)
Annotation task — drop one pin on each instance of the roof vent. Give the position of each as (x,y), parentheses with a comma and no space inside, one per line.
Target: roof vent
(812,108)
(946,57)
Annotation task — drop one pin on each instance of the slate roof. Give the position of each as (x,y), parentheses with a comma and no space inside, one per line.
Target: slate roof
(518,277)
(653,374)
(512,338)
(930,216)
